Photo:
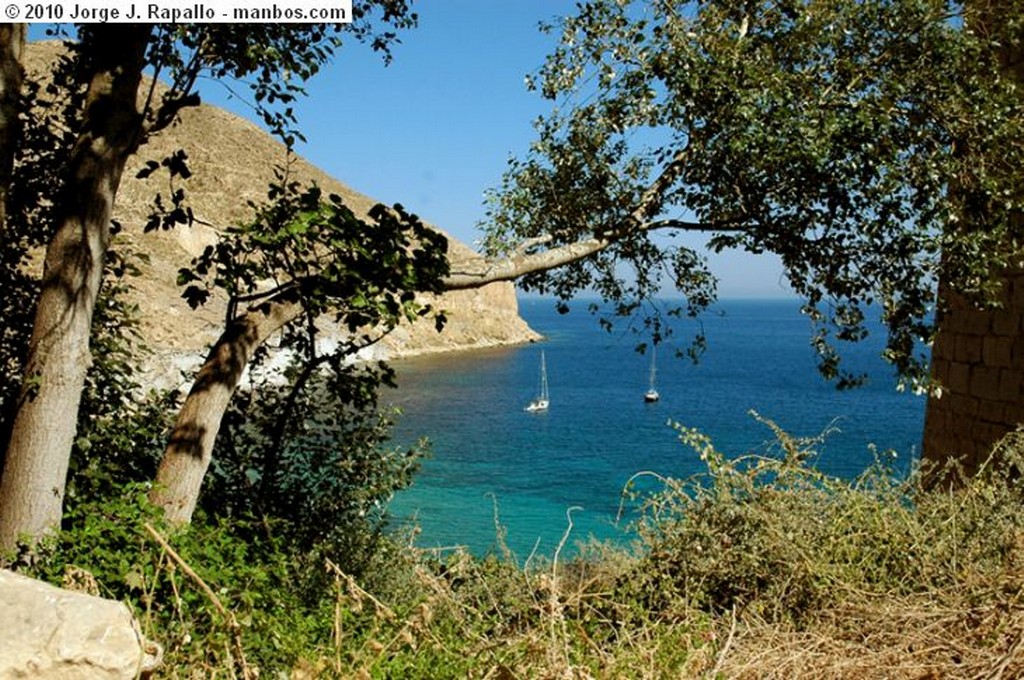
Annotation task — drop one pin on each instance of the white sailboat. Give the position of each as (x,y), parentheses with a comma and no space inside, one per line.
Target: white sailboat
(542,401)
(651,395)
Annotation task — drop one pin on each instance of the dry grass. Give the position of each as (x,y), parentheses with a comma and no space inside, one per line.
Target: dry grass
(874,637)
(891,638)
(763,569)
(895,581)
(954,609)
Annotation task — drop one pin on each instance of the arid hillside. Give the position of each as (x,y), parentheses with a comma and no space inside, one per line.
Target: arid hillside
(233,161)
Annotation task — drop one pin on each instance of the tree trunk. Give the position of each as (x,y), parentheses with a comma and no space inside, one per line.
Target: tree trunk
(190,449)
(35,469)
(12,44)
(12,74)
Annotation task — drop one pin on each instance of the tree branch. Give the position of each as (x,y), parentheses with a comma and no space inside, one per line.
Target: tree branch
(519,263)
(169,110)
(531,242)
(685,225)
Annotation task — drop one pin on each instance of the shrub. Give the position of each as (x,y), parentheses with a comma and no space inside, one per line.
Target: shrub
(760,566)
(309,463)
(772,533)
(815,576)
(254,582)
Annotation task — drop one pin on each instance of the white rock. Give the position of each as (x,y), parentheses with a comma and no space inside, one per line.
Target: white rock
(54,634)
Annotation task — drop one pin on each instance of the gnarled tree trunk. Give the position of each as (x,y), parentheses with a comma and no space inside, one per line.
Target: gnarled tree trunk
(35,469)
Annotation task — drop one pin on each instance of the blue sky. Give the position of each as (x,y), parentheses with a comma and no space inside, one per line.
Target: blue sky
(435,129)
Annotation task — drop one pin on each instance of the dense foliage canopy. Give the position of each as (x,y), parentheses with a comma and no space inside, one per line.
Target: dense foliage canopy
(874,146)
(68,140)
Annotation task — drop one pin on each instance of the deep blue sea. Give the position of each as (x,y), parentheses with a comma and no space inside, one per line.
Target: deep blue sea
(488,452)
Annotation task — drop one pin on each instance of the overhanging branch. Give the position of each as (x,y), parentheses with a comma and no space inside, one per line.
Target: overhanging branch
(520,262)
(482,271)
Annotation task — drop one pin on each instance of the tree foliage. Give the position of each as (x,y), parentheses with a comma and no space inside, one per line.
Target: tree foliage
(106,112)
(874,146)
(310,465)
(365,272)
(303,259)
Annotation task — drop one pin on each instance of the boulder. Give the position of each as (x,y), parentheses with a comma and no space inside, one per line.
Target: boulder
(55,634)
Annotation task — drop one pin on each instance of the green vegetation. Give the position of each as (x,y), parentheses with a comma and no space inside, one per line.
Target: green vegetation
(874,146)
(760,566)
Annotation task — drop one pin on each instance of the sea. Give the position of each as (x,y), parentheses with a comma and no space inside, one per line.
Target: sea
(500,477)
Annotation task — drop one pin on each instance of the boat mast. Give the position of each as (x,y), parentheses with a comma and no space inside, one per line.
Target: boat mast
(543,378)
(654,354)
(652,393)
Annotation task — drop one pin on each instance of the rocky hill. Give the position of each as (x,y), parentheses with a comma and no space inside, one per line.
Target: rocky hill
(233,161)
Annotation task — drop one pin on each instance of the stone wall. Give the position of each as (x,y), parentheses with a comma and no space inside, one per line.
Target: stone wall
(978,356)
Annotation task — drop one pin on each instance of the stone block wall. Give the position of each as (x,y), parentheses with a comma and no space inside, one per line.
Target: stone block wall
(978,356)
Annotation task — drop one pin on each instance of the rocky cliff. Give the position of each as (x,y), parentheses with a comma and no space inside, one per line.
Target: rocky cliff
(233,161)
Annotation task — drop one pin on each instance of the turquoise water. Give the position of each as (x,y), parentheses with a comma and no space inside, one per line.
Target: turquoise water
(489,453)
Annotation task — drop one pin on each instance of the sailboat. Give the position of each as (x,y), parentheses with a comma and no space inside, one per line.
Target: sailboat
(541,402)
(651,395)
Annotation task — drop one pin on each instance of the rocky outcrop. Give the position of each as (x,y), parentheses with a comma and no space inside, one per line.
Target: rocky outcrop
(484,317)
(55,634)
(232,162)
